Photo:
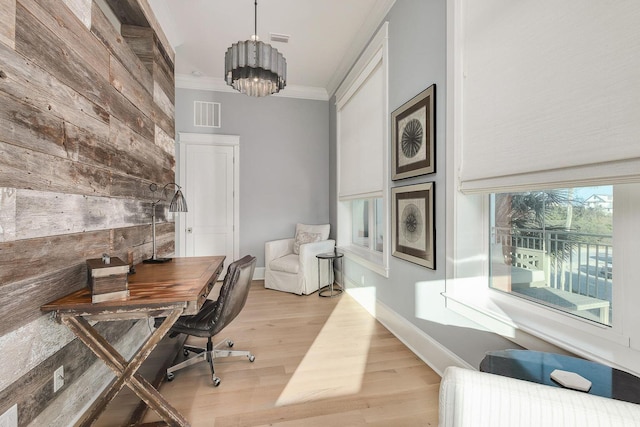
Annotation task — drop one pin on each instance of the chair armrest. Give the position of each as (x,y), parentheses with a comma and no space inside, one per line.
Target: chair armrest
(308,251)
(276,249)
(309,262)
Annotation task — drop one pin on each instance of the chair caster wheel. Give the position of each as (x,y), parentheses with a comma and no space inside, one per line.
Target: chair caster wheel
(170,376)
(216,381)
(252,358)
(185,352)
(230,343)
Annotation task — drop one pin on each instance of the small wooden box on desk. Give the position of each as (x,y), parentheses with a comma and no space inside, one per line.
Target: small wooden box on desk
(108,281)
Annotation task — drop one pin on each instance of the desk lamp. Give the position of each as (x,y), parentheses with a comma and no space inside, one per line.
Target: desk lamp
(178,204)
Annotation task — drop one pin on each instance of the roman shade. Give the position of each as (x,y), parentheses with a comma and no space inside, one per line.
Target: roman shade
(550,94)
(361,132)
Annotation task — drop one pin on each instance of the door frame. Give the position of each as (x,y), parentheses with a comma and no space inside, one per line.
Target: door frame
(187,138)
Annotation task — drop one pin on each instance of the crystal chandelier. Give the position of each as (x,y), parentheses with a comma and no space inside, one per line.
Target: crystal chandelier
(254,67)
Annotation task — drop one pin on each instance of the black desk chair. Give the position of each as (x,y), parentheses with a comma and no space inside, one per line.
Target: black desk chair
(214,316)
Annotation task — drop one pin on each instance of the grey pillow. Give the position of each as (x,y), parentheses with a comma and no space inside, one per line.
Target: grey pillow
(303,237)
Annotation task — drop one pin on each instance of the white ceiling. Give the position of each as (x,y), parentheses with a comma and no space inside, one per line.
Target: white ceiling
(325,37)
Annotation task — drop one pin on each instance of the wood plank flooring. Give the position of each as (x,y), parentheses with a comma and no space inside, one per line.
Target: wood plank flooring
(319,362)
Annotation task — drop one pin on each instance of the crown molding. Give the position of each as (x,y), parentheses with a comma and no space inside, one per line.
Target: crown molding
(186,81)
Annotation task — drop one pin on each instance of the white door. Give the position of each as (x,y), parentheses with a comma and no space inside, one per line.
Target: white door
(209,176)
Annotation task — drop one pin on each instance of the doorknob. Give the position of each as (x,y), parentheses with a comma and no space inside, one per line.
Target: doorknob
(189,230)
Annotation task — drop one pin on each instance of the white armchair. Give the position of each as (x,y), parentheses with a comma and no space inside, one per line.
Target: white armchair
(291,264)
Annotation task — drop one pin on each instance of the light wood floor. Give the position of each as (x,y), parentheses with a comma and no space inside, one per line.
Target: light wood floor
(319,362)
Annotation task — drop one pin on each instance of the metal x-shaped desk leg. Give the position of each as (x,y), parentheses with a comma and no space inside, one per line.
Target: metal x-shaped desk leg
(126,371)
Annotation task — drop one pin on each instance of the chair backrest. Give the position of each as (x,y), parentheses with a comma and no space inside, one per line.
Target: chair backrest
(234,292)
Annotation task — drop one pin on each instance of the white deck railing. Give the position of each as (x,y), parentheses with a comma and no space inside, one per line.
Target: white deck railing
(578,263)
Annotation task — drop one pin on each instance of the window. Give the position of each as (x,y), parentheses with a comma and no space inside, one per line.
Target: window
(360,223)
(367,224)
(362,157)
(578,268)
(555,248)
(502,139)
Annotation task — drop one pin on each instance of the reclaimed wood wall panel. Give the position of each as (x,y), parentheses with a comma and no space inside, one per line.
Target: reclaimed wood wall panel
(166,79)
(41,213)
(164,141)
(160,35)
(156,164)
(129,86)
(7,22)
(146,45)
(119,48)
(20,258)
(25,168)
(141,41)
(85,127)
(65,25)
(20,301)
(128,12)
(37,385)
(26,81)
(26,126)
(37,42)
(63,410)
(163,101)
(26,356)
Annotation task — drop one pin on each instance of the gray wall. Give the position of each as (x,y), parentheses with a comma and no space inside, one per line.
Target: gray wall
(284,160)
(417,59)
(288,173)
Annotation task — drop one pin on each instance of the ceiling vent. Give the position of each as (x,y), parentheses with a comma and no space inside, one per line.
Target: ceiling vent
(281,38)
(206,114)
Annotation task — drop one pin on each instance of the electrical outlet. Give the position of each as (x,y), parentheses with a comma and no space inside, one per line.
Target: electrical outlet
(58,379)
(10,418)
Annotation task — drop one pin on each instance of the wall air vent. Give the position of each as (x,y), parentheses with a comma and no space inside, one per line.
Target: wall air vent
(281,38)
(206,114)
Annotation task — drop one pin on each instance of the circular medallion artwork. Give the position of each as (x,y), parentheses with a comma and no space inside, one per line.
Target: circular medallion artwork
(412,223)
(411,140)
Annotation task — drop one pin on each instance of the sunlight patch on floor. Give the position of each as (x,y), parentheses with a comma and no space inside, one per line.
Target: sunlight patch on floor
(335,363)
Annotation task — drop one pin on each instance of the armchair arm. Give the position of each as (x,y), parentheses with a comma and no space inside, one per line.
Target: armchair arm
(276,249)
(309,262)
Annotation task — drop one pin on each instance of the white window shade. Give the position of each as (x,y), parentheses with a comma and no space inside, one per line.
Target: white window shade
(361,134)
(551,94)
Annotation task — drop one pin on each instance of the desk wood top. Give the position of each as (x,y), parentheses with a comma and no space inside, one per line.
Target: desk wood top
(180,282)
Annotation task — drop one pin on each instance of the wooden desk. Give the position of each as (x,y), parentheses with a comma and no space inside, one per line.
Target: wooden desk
(170,290)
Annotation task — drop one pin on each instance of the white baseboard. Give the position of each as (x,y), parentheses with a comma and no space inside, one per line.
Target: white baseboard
(258,273)
(434,354)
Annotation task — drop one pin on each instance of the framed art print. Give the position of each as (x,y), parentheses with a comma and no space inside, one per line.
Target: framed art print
(413,136)
(412,224)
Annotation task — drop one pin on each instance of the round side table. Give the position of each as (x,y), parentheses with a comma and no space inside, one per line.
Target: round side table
(330,291)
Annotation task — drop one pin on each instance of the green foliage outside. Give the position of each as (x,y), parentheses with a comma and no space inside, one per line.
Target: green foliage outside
(584,220)
(554,211)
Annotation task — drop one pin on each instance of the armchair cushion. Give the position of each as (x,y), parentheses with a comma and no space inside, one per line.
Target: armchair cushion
(288,263)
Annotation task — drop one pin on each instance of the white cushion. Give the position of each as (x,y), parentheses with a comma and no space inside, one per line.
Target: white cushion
(288,263)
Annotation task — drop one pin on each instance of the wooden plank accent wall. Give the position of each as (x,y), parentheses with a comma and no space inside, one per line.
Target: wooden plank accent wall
(7,22)
(86,124)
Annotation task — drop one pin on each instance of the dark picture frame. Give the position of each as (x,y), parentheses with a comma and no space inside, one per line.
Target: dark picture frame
(413,136)
(412,224)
